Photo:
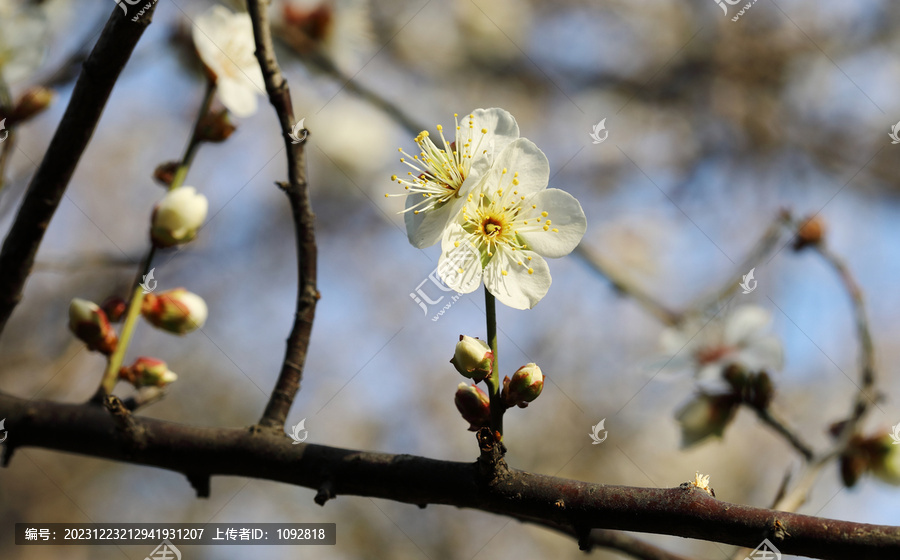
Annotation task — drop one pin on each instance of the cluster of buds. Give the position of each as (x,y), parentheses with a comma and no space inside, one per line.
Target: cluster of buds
(708,414)
(177,311)
(878,454)
(147,372)
(474,360)
(177,217)
(89,323)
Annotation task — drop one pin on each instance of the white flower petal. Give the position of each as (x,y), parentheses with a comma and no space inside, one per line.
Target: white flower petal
(523,157)
(518,289)
(426,228)
(460,264)
(238,98)
(764,353)
(501,125)
(744,323)
(568,224)
(224,41)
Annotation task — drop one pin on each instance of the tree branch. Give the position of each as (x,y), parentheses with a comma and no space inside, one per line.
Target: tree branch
(98,76)
(304,224)
(200,452)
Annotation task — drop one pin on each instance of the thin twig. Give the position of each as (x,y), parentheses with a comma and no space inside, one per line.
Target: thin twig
(781,427)
(766,244)
(866,394)
(98,76)
(205,451)
(304,223)
(622,284)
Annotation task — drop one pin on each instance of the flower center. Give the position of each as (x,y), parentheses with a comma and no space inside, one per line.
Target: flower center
(492,227)
(706,356)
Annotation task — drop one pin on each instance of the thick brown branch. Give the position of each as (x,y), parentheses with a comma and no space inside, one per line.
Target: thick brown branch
(98,76)
(202,451)
(304,223)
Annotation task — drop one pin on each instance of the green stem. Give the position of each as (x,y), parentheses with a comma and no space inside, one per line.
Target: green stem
(493,382)
(194,143)
(111,376)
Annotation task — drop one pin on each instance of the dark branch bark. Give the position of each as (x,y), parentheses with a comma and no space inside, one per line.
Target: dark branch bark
(304,224)
(200,452)
(98,76)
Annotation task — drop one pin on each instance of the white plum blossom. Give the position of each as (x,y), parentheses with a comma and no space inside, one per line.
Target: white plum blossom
(741,337)
(224,41)
(511,221)
(442,176)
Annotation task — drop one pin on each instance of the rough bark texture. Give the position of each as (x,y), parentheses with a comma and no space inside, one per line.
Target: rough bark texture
(200,452)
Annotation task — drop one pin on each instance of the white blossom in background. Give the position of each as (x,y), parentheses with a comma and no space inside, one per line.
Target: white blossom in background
(224,41)
(444,173)
(341,30)
(512,221)
(23,40)
(740,337)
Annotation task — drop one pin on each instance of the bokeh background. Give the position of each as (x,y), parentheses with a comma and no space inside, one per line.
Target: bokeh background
(714,125)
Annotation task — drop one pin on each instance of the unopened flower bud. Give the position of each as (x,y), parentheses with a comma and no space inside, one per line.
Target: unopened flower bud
(525,386)
(32,102)
(853,464)
(473,358)
(177,311)
(165,172)
(177,217)
(147,372)
(474,405)
(704,416)
(89,323)
(810,233)
(114,307)
(215,126)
